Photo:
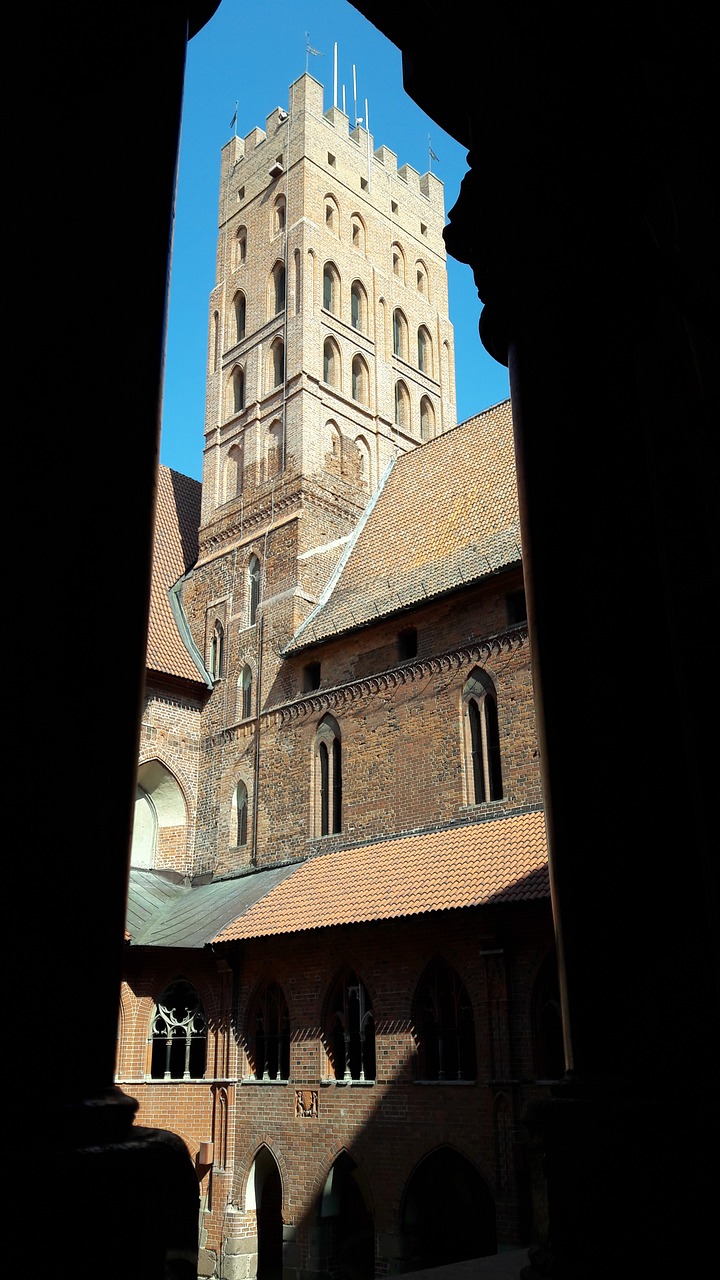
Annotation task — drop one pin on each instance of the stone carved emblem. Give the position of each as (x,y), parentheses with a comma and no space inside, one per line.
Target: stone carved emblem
(306,1104)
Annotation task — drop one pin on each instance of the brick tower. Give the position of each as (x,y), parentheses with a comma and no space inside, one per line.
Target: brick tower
(330,352)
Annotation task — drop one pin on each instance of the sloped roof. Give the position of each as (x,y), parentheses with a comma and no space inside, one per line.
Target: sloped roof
(474,864)
(445,516)
(165,913)
(175,549)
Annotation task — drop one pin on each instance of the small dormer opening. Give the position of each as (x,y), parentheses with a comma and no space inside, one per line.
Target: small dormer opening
(516,607)
(311,676)
(407,643)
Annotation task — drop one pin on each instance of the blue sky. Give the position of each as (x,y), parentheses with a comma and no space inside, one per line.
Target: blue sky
(237,59)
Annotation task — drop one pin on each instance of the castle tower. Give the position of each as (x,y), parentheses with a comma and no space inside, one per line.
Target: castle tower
(329,318)
(330,352)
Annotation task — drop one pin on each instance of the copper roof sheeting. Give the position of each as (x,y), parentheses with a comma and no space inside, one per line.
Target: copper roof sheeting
(164,913)
(497,861)
(445,516)
(175,548)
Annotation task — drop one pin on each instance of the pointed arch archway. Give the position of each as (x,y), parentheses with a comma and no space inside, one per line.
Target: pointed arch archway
(447,1214)
(346,1226)
(265,1196)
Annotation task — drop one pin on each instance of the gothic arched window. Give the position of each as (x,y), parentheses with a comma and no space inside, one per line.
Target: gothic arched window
(217,650)
(278,288)
(179,1034)
(402,406)
(240,813)
(482,740)
(358,307)
(427,419)
(424,344)
(351,1029)
(328,778)
(331,288)
(360,380)
(400,334)
(240,246)
(398,262)
(445,1025)
(279,215)
(331,363)
(269,1035)
(277,363)
(233,472)
(238,389)
(239,310)
(245,692)
(275,449)
(254,582)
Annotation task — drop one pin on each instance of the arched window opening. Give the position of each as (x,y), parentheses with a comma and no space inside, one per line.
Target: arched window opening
(351,1032)
(357,233)
(245,690)
(217,651)
(332,215)
(298,280)
(279,215)
(269,1035)
(254,583)
(398,262)
(240,246)
(275,449)
(215,341)
(427,419)
(482,740)
(278,288)
(360,380)
(331,288)
(358,307)
(238,389)
(233,472)
(424,343)
(328,778)
(402,406)
(400,334)
(179,1034)
(239,308)
(331,363)
(445,1024)
(240,808)
(421,278)
(364,458)
(277,358)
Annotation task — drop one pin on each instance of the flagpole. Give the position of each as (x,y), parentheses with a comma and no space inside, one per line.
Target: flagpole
(316,53)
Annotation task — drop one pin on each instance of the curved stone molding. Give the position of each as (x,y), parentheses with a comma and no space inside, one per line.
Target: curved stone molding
(368,686)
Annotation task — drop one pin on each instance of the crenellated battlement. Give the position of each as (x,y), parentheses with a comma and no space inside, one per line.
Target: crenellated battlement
(260,148)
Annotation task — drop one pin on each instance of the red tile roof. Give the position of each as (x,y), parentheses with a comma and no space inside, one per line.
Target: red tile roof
(445,516)
(498,861)
(175,547)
